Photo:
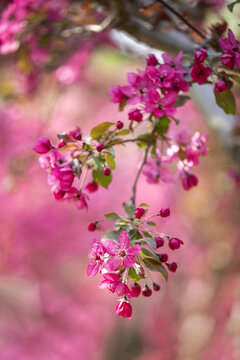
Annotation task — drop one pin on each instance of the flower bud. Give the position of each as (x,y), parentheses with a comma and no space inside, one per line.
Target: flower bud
(147,291)
(119,125)
(172,267)
(61,144)
(42,145)
(92,187)
(135,115)
(174,243)
(124,309)
(164,212)
(135,290)
(100,147)
(107,171)
(159,241)
(92,227)
(156,287)
(139,213)
(163,257)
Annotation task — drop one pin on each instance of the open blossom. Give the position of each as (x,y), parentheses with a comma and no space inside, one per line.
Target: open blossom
(232,48)
(160,105)
(175,63)
(197,147)
(113,284)
(200,56)
(96,256)
(135,115)
(122,253)
(124,309)
(200,73)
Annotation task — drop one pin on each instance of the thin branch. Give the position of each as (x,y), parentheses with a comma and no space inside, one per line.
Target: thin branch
(134,187)
(181,17)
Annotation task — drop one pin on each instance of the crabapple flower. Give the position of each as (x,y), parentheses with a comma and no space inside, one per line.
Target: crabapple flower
(200,56)
(172,267)
(135,115)
(135,290)
(200,73)
(175,243)
(162,104)
(220,86)
(113,284)
(139,212)
(164,212)
(124,309)
(92,187)
(159,241)
(42,145)
(121,254)
(96,256)
(232,48)
(175,63)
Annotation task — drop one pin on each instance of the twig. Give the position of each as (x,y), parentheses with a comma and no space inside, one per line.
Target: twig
(181,17)
(134,187)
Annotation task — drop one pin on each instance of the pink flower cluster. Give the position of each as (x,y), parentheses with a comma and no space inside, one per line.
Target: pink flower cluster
(122,264)
(185,152)
(199,72)
(64,168)
(232,49)
(154,90)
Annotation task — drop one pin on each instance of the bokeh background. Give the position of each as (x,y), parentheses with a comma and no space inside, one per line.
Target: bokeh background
(49,309)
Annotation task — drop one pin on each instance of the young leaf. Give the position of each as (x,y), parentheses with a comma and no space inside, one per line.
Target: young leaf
(133,275)
(151,242)
(111,235)
(112,216)
(226,101)
(110,161)
(151,223)
(100,129)
(123,132)
(102,179)
(143,205)
(153,265)
(129,209)
(149,254)
(181,100)
(162,125)
(96,163)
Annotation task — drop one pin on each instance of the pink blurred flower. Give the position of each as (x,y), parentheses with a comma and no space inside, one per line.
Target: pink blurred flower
(96,256)
(232,47)
(124,309)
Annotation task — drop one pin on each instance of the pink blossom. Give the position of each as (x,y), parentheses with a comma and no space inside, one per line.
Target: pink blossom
(189,181)
(124,309)
(78,197)
(135,290)
(42,145)
(122,253)
(152,60)
(232,47)
(76,133)
(197,147)
(220,86)
(154,171)
(135,115)
(116,94)
(160,105)
(200,73)
(200,56)
(175,63)
(96,256)
(63,176)
(113,284)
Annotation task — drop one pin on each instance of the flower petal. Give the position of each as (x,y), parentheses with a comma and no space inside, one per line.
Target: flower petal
(124,241)
(113,263)
(129,261)
(93,268)
(134,250)
(110,247)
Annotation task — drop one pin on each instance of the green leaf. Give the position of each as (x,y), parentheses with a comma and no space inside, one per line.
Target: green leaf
(123,132)
(109,150)
(133,275)
(231,6)
(235,77)
(153,265)
(110,161)
(143,205)
(151,223)
(162,125)
(150,241)
(100,129)
(111,235)
(181,100)
(112,216)
(226,101)
(149,254)
(102,179)
(129,209)
(96,163)
(153,153)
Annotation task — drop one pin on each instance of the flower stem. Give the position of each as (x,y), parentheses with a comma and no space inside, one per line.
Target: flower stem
(134,187)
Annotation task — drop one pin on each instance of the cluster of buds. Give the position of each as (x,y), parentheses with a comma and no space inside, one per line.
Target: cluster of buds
(128,254)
